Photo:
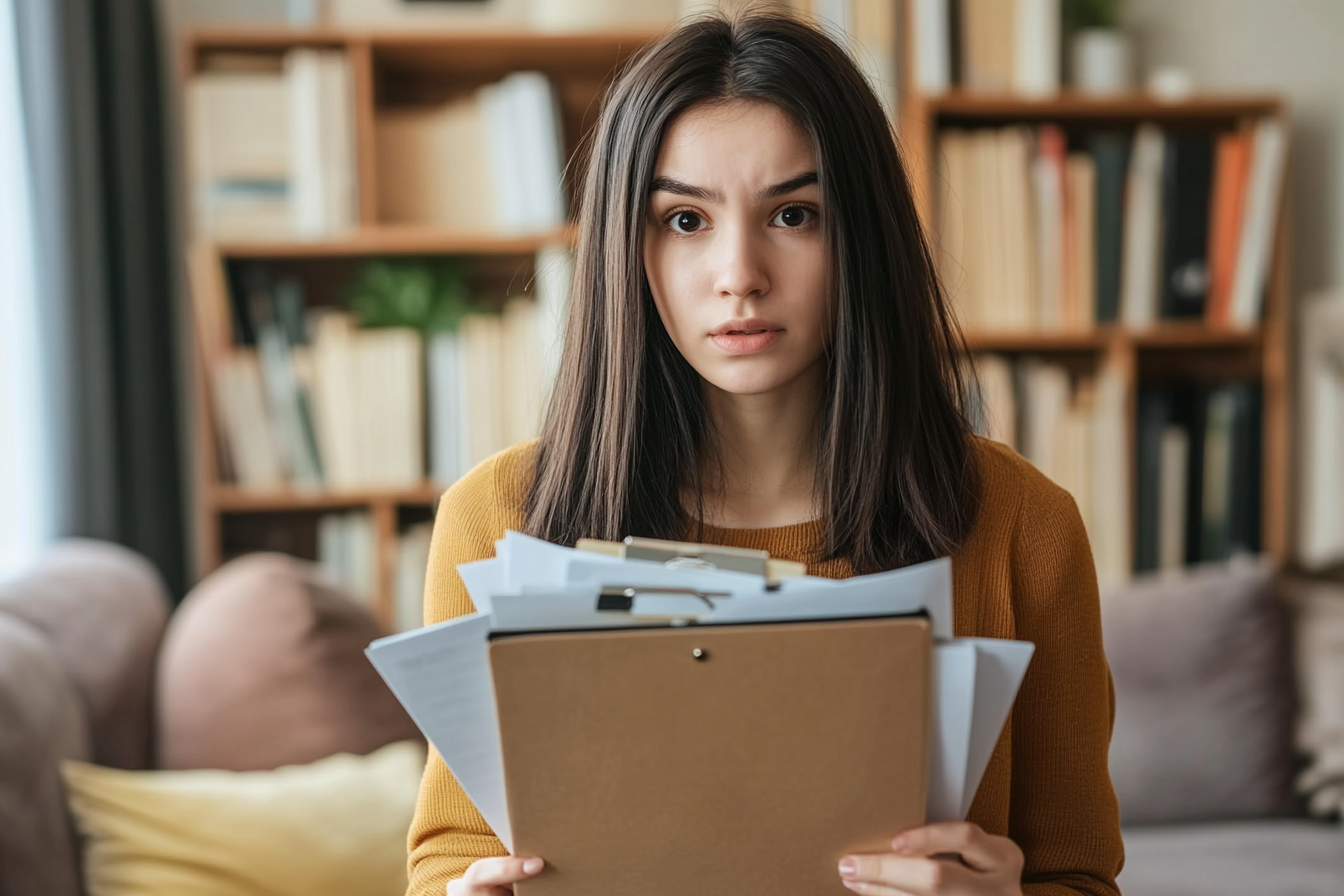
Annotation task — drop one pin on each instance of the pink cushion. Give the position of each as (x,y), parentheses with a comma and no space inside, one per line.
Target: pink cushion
(263,665)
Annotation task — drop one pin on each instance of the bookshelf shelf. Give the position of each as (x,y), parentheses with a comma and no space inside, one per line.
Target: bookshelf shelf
(1166,336)
(1068,107)
(231,499)
(392,239)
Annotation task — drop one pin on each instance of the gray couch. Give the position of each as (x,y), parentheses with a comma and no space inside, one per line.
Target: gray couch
(261,666)
(1203,756)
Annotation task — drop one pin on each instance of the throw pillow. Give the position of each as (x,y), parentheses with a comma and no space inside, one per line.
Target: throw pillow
(334,827)
(263,665)
(1203,696)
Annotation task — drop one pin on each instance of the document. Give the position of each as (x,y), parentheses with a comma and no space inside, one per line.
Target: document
(441,673)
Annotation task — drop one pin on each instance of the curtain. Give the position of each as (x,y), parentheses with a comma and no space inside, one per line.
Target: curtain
(90,90)
(26,518)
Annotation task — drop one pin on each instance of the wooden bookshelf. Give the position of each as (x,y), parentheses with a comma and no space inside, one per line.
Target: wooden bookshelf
(387,69)
(1168,349)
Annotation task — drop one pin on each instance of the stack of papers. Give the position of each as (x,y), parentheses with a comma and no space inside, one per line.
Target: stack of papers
(441,673)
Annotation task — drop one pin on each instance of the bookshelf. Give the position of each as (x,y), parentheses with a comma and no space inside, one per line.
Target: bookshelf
(387,70)
(1167,351)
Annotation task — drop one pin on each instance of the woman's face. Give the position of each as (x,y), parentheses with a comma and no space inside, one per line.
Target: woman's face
(734,250)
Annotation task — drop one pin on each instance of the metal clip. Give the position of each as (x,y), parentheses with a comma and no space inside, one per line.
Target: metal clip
(658,603)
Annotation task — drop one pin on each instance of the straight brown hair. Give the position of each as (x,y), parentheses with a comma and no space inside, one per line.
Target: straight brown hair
(627,430)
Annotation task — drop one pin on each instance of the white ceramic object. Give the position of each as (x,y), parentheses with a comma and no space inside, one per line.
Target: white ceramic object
(1102,61)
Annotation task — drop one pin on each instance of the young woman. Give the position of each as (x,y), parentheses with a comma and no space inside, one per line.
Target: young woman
(758,353)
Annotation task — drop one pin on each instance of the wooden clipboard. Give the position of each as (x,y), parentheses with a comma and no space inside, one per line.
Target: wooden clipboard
(726,759)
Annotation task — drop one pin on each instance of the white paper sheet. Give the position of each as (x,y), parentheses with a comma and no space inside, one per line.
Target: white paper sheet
(583,571)
(999,669)
(924,586)
(950,728)
(531,562)
(484,579)
(441,674)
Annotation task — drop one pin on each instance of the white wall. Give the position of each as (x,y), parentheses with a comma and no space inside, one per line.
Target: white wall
(1291,47)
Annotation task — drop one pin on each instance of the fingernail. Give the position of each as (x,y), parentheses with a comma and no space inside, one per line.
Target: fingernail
(848,868)
(900,843)
(532,866)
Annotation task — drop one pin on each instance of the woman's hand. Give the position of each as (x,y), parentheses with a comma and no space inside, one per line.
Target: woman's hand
(955,859)
(494,876)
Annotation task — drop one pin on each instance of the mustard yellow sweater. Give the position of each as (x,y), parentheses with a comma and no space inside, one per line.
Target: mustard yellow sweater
(1025,572)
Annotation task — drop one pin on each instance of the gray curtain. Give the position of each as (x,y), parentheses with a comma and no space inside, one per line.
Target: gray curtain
(89,78)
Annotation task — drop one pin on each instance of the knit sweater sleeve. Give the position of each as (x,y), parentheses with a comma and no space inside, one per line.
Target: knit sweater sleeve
(1064,813)
(447,832)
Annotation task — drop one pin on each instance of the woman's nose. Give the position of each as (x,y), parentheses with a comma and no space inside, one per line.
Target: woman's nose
(741,268)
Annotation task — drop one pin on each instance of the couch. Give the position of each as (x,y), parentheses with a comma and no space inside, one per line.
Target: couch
(91,669)
(1214,724)
(261,666)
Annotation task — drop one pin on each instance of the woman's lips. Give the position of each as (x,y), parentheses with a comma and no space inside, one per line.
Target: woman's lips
(746,341)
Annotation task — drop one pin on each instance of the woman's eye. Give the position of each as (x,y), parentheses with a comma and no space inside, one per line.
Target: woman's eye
(794,216)
(685,222)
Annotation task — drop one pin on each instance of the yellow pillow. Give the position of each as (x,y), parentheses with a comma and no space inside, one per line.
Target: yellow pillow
(335,827)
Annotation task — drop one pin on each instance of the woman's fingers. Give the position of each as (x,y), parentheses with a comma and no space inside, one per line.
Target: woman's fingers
(888,874)
(976,848)
(493,876)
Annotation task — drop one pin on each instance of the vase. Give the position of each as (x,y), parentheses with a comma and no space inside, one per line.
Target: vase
(1101,61)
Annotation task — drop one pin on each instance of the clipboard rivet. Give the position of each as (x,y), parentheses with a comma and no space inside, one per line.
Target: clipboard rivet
(700,654)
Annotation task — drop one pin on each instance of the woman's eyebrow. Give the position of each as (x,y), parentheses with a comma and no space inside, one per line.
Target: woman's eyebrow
(672,185)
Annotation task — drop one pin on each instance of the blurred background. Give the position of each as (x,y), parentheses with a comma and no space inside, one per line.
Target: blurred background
(275,273)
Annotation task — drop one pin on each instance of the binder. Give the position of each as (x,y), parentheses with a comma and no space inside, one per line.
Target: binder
(739,758)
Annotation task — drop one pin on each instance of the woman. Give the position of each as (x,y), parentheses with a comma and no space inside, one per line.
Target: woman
(758,353)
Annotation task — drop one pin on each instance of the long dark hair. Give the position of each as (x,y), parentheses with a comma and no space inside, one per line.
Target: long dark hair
(627,427)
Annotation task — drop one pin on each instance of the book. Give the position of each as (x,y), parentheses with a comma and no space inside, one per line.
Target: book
(1259,223)
(931,45)
(1187,184)
(1155,412)
(482,338)
(1142,228)
(1036,48)
(988,35)
(433,166)
(443,381)
(412,561)
(524,391)
(238,151)
(1231,169)
(1048,180)
(255,456)
(1080,293)
(1173,467)
(347,551)
(1110,154)
(997,404)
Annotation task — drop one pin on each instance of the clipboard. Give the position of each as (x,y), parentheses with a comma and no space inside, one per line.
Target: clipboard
(744,758)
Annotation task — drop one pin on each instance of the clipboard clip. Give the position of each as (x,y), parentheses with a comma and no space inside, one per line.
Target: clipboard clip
(688,555)
(667,604)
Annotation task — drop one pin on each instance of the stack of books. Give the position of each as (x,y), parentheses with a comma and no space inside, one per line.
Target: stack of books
(1198,468)
(1040,230)
(1073,429)
(271,145)
(489,161)
(347,548)
(317,403)
(986,46)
